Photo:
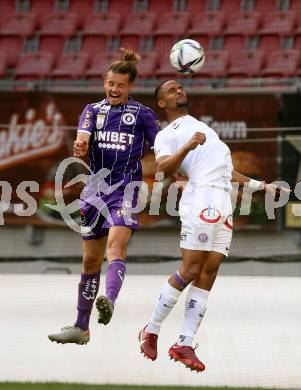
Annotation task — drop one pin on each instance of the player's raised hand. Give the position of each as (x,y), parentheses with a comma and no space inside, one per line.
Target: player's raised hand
(197,139)
(80,148)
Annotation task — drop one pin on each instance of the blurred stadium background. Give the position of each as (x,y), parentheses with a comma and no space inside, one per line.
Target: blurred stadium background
(53,55)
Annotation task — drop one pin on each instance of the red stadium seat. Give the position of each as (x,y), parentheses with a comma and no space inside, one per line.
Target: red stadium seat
(93,45)
(161,6)
(102,24)
(278,23)
(230,6)
(82,9)
(245,64)
(7,9)
(34,66)
(71,66)
(209,23)
(130,41)
(53,44)
(234,43)
(243,23)
(165,70)
(41,9)
(11,47)
(124,7)
(22,24)
(2,65)
(59,23)
(215,66)
(296,6)
(172,23)
(147,65)
(196,6)
(162,45)
(139,24)
(282,63)
(265,6)
(269,43)
(99,65)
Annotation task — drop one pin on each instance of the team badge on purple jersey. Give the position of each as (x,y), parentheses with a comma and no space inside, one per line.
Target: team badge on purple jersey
(118,135)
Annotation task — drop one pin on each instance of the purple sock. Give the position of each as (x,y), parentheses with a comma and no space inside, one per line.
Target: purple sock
(87,292)
(114,279)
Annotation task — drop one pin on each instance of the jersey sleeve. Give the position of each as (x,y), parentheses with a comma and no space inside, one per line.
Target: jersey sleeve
(163,144)
(87,120)
(151,125)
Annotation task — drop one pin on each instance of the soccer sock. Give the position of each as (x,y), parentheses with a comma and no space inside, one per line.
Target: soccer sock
(168,298)
(114,279)
(195,307)
(87,292)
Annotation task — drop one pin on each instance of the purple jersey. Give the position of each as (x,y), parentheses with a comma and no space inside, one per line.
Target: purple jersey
(117,138)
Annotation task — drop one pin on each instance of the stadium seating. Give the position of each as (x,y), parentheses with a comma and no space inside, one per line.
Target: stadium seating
(165,70)
(208,24)
(195,6)
(70,66)
(244,64)
(215,65)
(99,65)
(102,24)
(122,6)
(59,23)
(173,24)
(279,23)
(147,65)
(269,43)
(244,23)
(161,6)
(282,63)
(139,24)
(11,48)
(22,24)
(93,45)
(234,43)
(2,64)
(34,66)
(227,29)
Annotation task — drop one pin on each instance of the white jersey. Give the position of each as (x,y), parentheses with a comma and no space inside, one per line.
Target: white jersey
(209,164)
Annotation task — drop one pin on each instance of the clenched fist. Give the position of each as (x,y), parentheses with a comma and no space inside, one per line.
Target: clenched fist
(80,148)
(197,139)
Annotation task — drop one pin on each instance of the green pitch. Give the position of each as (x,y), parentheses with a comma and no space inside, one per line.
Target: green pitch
(62,386)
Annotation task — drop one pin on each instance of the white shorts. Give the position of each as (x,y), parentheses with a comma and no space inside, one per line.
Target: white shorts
(206,225)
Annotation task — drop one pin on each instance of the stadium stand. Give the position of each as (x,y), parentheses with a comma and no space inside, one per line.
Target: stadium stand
(245,64)
(283,63)
(71,66)
(34,66)
(102,24)
(241,29)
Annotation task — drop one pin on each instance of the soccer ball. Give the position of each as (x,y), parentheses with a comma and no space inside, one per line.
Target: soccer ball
(187,56)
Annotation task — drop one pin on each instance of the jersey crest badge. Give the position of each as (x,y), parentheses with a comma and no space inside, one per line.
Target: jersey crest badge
(128,118)
(100,120)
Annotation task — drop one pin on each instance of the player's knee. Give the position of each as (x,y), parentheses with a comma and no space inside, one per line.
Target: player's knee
(115,250)
(91,263)
(191,273)
(208,275)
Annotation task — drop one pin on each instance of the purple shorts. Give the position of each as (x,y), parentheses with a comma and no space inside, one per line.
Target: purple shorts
(107,211)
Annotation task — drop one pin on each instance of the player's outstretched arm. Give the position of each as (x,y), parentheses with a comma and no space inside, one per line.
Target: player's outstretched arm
(171,164)
(255,184)
(80,146)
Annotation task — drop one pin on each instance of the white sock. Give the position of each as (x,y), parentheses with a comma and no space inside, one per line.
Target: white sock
(168,298)
(195,307)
